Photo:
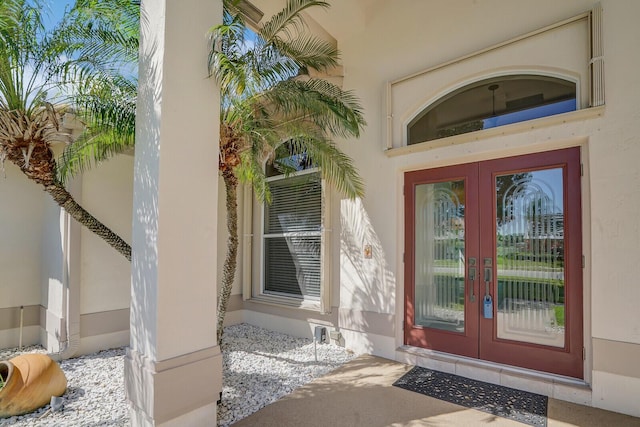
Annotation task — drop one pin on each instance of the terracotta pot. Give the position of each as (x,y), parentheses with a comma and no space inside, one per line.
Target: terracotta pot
(30,382)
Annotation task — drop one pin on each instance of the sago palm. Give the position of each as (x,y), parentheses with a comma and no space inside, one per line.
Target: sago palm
(267,99)
(32,63)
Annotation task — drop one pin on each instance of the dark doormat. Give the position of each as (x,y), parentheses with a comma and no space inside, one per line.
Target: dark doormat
(522,406)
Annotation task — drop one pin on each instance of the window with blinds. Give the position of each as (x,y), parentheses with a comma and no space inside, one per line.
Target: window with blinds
(292,237)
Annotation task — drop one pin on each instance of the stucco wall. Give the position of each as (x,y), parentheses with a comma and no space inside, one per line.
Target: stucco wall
(615,183)
(107,192)
(105,275)
(21,217)
(21,228)
(405,37)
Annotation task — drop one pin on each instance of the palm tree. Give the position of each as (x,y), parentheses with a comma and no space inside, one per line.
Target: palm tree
(103,37)
(268,99)
(31,68)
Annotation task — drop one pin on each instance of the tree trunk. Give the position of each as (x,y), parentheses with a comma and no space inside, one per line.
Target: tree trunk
(231,261)
(77,212)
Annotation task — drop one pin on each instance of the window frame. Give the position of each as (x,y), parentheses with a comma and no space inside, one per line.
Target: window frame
(492,78)
(254,288)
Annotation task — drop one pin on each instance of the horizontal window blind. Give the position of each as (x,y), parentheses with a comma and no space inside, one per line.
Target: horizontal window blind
(295,205)
(292,224)
(292,265)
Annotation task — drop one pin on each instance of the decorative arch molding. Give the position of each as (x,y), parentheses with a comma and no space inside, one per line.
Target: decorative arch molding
(454,86)
(561,51)
(500,106)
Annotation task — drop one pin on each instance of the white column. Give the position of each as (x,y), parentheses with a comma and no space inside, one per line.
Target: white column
(173,370)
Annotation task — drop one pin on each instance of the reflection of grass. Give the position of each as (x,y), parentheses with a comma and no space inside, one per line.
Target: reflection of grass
(531,280)
(446,263)
(510,264)
(515,263)
(559,309)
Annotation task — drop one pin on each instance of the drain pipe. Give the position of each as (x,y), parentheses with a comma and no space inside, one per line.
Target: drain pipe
(21,325)
(71,290)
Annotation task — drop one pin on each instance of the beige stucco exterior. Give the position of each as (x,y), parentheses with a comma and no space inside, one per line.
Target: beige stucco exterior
(397,57)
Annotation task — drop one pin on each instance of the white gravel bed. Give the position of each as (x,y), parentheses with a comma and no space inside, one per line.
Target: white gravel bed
(94,396)
(259,367)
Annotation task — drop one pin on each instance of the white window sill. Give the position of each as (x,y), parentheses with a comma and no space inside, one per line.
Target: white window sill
(573,116)
(286,302)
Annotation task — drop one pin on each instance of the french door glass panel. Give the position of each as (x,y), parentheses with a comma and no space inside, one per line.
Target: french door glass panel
(440,256)
(530,257)
(493,261)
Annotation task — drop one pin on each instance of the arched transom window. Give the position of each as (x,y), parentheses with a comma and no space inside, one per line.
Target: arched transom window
(491,103)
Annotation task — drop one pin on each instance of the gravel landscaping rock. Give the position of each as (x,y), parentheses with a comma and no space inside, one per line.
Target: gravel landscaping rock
(259,367)
(94,396)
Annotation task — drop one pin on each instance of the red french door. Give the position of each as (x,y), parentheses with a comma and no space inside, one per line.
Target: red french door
(493,261)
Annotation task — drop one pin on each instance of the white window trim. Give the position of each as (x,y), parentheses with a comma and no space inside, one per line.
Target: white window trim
(530,71)
(512,129)
(595,86)
(254,291)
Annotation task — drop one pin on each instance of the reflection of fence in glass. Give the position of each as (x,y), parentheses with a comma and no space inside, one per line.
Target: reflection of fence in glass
(530,257)
(440,255)
(530,220)
(445,308)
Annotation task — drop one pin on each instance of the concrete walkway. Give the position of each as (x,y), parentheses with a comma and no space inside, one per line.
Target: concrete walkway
(360,393)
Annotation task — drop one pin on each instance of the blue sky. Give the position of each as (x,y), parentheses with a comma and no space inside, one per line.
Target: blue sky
(56,10)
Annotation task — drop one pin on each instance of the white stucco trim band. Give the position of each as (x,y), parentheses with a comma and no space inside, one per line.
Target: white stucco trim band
(10,317)
(105,322)
(512,129)
(616,357)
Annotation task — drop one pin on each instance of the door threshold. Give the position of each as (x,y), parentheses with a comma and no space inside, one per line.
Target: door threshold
(551,385)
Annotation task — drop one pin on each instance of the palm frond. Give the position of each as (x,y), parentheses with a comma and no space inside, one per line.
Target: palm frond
(336,111)
(98,39)
(335,166)
(89,151)
(308,51)
(288,20)
(109,112)
(266,104)
(227,64)
(251,171)
(25,56)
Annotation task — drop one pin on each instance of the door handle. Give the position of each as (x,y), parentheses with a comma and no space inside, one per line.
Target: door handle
(472,278)
(488,273)
(487,301)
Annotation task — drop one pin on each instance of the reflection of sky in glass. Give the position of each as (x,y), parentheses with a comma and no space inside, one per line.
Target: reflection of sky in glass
(544,188)
(550,181)
(530,114)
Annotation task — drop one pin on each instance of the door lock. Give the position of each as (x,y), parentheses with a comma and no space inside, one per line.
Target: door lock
(487,301)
